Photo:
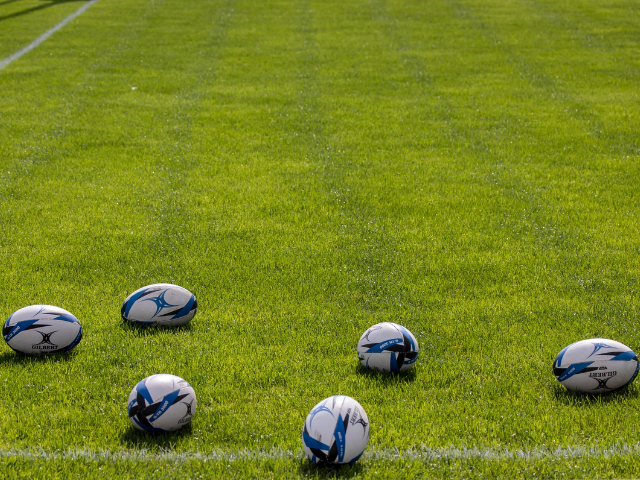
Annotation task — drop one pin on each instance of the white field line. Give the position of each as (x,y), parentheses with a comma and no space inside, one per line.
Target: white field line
(416,454)
(45,35)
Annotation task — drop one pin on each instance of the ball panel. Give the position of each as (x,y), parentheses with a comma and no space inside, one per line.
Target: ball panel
(378,334)
(183,316)
(599,376)
(357,430)
(161,403)
(411,344)
(319,427)
(335,431)
(589,350)
(596,365)
(383,361)
(74,342)
(388,347)
(42,329)
(131,300)
(635,374)
(160,303)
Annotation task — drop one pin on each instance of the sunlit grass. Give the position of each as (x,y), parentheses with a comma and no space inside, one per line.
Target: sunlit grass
(307,169)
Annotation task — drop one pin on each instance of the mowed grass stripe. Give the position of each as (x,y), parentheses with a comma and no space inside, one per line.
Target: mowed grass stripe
(588,177)
(599,77)
(24,20)
(439,408)
(143,134)
(518,324)
(210,344)
(262,209)
(109,235)
(108,131)
(45,35)
(512,136)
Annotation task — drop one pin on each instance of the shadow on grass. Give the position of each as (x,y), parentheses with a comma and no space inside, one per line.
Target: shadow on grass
(6,2)
(22,359)
(139,330)
(585,400)
(386,378)
(307,468)
(45,4)
(139,440)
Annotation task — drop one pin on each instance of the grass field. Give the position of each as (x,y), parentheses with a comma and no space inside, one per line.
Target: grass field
(466,168)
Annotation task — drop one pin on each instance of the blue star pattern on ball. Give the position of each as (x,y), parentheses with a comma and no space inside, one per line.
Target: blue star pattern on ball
(317,410)
(160,302)
(597,346)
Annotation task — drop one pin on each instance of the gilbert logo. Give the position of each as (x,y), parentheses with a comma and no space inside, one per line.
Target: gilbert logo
(188,415)
(357,418)
(45,344)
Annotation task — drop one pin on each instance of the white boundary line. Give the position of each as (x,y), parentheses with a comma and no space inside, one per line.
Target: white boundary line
(385,455)
(45,35)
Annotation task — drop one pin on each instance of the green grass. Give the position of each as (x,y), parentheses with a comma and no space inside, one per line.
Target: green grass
(307,169)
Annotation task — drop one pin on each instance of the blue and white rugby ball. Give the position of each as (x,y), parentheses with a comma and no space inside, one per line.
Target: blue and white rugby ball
(160,303)
(336,431)
(41,329)
(597,365)
(388,347)
(161,403)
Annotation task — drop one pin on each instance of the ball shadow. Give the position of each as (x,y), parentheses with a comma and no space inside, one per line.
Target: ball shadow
(386,378)
(588,400)
(148,330)
(24,360)
(306,468)
(138,440)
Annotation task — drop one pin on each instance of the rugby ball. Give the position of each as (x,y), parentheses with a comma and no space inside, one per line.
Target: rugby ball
(336,431)
(597,365)
(160,303)
(388,347)
(42,329)
(161,403)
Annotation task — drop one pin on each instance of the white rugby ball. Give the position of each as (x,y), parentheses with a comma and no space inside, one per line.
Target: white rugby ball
(336,431)
(161,403)
(597,365)
(41,329)
(160,303)
(388,347)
